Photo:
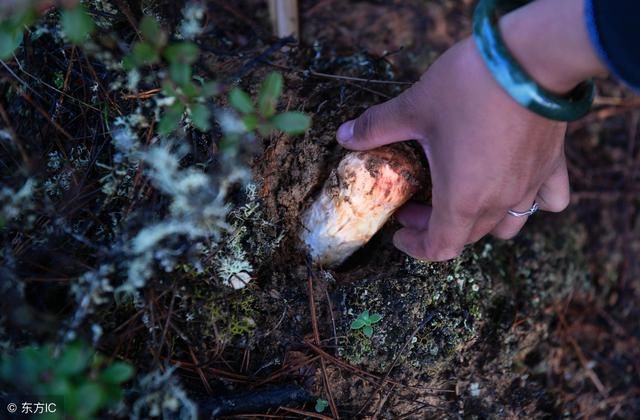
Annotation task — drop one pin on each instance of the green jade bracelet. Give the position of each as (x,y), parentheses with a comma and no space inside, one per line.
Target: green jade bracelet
(513,78)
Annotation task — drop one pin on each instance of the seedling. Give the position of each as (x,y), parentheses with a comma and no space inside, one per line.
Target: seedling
(179,56)
(86,380)
(321,405)
(365,322)
(262,115)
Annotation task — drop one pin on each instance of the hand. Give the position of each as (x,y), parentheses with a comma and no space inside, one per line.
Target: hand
(487,154)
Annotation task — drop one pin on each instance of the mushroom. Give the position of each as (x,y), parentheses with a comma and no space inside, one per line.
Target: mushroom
(357,199)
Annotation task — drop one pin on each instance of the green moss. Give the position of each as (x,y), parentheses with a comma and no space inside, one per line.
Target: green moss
(223,313)
(453,301)
(443,298)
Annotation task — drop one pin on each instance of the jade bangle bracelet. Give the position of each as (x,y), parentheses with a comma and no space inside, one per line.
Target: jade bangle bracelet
(513,78)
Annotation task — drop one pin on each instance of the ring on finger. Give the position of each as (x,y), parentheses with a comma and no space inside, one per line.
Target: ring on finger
(534,208)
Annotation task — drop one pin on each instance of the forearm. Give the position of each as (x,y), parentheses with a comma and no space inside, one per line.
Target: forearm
(549,38)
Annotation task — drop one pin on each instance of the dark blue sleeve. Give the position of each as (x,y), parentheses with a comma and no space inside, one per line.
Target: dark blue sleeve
(614,28)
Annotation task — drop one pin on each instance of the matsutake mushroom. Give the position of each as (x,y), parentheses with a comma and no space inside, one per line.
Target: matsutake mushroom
(357,199)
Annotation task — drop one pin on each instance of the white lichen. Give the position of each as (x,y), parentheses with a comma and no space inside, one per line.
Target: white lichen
(474,389)
(233,267)
(197,215)
(191,24)
(14,202)
(162,396)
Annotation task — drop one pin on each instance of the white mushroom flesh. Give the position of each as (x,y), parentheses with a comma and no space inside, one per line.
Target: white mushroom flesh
(356,201)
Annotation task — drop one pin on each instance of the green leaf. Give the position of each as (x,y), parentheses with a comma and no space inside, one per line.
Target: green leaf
(117,373)
(367,331)
(28,364)
(182,52)
(191,90)
(200,116)
(11,31)
(76,24)
(357,324)
(250,121)
(58,386)
(364,316)
(112,393)
(241,101)
(375,318)
(128,62)
(144,54)
(180,73)
(170,119)
(168,88)
(269,94)
(151,31)
(88,399)
(292,122)
(10,39)
(72,361)
(168,123)
(321,405)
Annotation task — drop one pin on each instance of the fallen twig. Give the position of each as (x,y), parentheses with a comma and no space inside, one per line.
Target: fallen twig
(316,337)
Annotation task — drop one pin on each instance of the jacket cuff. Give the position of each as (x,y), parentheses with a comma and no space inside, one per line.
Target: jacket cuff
(609,34)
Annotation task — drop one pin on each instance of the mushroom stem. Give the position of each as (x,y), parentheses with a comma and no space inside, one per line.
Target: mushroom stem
(357,199)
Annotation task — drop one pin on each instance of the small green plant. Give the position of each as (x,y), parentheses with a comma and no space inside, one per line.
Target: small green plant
(82,380)
(321,405)
(180,86)
(182,90)
(11,30)
(365,322)
(262,115)
(76,24)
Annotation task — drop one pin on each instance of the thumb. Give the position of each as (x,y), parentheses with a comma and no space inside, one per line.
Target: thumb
(386,123)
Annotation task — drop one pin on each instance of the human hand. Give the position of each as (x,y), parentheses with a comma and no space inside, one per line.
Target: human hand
(486,153)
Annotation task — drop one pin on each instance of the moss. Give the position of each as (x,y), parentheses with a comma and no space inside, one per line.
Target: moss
(240,326)
(442,298)
(221,314)
(451,302)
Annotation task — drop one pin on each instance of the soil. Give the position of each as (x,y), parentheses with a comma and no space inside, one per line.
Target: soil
(507,334)
(543,326)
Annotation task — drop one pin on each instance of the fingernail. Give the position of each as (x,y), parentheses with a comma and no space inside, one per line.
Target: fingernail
(345,132)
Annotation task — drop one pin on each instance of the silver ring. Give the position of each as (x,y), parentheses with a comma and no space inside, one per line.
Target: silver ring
(529,212)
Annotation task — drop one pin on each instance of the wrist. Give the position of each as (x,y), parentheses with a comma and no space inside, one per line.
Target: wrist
(549,40)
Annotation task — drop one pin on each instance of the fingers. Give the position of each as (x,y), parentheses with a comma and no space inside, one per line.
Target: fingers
(510,225)
(437,236)
(443,239)
(414,215)
(381,124)
(554,194)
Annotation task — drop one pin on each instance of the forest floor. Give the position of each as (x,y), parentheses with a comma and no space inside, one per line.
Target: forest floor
(545,325)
